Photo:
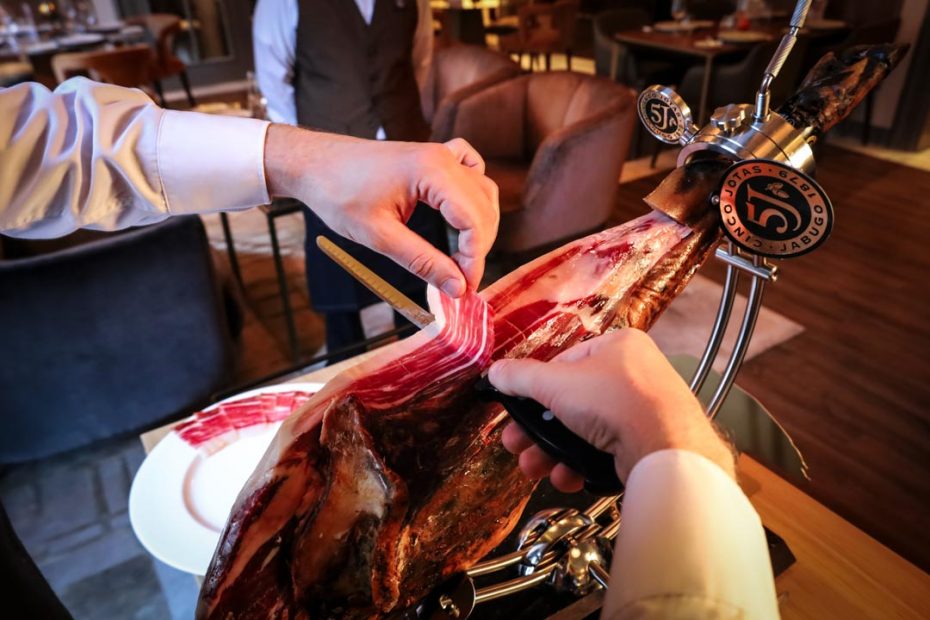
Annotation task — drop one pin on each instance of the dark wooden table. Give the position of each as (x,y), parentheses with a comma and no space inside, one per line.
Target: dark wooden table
(50,42)
(686,44)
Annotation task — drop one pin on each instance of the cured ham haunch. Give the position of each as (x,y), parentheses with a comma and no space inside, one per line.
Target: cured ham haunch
(393,476)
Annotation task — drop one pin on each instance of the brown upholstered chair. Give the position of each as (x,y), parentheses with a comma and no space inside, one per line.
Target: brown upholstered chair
(162,28)
(124,66)
(555,144)
(457,72)
(544,29)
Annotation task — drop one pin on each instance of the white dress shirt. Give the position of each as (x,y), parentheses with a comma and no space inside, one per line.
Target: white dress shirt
(690,546)
(274,41)
(96,156)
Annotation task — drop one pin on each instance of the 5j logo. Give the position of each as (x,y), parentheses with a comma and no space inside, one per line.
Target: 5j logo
(771,209)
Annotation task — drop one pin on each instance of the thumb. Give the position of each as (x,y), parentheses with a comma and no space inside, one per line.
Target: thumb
(417,255)
(525,377)
(558,387)
(465,154)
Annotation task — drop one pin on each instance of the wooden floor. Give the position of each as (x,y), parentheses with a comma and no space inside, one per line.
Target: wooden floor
(854,389)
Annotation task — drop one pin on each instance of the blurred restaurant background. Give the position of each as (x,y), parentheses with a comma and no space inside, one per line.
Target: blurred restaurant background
(844,365)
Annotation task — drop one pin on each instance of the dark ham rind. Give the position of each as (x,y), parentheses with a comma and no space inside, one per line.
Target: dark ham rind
(837,84)
(362,506)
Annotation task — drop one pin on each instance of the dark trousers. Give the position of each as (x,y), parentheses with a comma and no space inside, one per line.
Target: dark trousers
(344,329)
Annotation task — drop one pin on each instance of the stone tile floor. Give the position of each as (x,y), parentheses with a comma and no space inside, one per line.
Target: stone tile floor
(71,512)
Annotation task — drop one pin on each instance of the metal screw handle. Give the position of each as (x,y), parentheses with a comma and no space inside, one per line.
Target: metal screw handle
(778,59)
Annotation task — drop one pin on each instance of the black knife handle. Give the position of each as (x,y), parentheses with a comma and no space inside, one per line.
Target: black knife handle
(595,466)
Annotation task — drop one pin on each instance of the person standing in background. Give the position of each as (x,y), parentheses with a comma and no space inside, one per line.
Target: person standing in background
(351,68)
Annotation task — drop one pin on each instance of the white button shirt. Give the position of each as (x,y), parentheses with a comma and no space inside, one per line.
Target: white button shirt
(96,156)
(274,42)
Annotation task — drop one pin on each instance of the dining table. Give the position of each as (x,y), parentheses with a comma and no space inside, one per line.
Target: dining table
(839,570)
(704,44)
(39,44)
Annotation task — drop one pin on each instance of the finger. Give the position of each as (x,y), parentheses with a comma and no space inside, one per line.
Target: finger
(466,154)
(535,463)
(473,211)
(525,377)
(418,256)
(473,268)
(514,439)
(566,479)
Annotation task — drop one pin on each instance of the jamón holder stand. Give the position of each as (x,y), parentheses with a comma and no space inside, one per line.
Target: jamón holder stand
(570,549)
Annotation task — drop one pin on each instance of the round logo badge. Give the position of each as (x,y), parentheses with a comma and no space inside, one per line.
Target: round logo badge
(773,210)
(665,114)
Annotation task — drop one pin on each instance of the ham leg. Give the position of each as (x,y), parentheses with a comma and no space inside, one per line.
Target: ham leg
(393,476)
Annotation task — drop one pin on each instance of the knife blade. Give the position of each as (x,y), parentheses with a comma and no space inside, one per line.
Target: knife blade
(376,284)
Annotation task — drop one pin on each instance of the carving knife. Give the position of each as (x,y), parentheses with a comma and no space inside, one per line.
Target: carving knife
(376,284)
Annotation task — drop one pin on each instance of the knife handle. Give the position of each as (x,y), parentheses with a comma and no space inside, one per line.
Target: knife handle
(595,466)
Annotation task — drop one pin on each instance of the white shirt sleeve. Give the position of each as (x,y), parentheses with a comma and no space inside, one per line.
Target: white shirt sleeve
(91,155)
(690,546)
(423,42)
(274,43)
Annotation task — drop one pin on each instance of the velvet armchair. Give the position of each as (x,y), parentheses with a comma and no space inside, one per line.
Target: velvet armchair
(104,334)
(456,73)
(555,143)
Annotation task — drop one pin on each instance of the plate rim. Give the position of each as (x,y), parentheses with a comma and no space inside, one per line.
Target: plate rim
(152,472)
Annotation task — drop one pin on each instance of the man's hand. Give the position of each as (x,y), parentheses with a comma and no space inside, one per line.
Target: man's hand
(617,392)
(366,191)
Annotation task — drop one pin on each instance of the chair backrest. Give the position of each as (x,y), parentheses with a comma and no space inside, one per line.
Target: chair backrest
(560,98)
(162,28)
(872,33)
(158,24)
(459,66)
(606,25)
(858,12)
(127,353)
(554,20)
(125,66)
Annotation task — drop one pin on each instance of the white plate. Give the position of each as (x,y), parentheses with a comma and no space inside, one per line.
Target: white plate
(742,36)
(107,27)
(688,26)
(708,44)
(80,39)
(41,47)
(182,494)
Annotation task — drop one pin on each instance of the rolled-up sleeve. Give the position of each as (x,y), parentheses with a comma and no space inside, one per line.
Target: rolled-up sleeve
(691,545)
(90,155)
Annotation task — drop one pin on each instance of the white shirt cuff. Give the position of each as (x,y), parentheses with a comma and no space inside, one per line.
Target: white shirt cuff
(211,163)
(690,537)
